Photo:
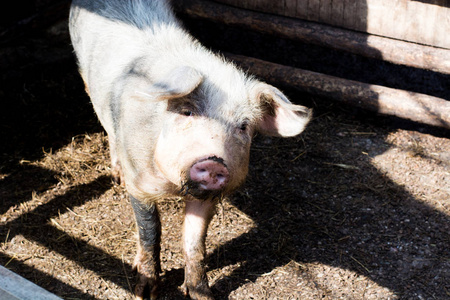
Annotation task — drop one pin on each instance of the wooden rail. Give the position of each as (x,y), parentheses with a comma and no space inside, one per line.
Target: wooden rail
(407,105)
(395,51)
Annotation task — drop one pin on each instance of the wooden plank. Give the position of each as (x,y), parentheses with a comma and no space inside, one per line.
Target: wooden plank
(424,22)
(15,287)
(361,12)
(411,21)
(349,17)
(407,105)
(374,10)
(337,12)
(302,9)
(395,51)
(443,15)
(427,23)
(313,10)
(325,11)
(270,6)
(395,23)
(290,7)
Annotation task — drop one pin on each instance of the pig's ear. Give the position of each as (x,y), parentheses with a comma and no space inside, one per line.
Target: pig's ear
(280,117)
(179,82)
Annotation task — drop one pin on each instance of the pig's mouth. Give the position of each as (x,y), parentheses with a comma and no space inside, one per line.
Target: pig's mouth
(195,189)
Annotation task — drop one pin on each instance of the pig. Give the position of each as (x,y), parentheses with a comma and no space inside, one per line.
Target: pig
(179,119)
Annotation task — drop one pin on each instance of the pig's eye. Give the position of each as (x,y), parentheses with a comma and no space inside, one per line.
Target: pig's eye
(243,126)
(186,112)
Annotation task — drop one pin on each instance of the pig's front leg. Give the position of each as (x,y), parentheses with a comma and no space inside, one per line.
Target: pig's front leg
(147,261)
(198,214)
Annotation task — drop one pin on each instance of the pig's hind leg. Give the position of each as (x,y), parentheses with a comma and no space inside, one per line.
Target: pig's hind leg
(147,260)
(198,214)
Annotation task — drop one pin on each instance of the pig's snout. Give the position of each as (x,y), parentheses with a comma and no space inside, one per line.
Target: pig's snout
(210,174)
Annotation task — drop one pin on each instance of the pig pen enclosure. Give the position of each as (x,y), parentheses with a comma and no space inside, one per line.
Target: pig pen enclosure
(357,207)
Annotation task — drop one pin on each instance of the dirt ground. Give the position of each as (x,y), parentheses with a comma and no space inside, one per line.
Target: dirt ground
(357,207)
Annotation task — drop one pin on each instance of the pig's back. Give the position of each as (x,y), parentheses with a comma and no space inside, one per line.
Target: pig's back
(109,37)
(115,31)
(138,13)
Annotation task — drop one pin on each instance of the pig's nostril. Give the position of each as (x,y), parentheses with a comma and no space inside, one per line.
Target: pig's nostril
(212,175)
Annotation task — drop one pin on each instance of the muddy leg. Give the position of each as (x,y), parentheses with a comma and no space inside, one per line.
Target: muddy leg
(197,218)
(147,261)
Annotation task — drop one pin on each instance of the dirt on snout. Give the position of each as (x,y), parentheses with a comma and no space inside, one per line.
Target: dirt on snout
(357,207)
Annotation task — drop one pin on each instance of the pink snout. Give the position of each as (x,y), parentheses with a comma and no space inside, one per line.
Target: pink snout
(210,174)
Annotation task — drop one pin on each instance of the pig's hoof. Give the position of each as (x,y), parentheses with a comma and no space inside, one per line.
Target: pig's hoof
(200,292)
(147,282)
(145,287)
